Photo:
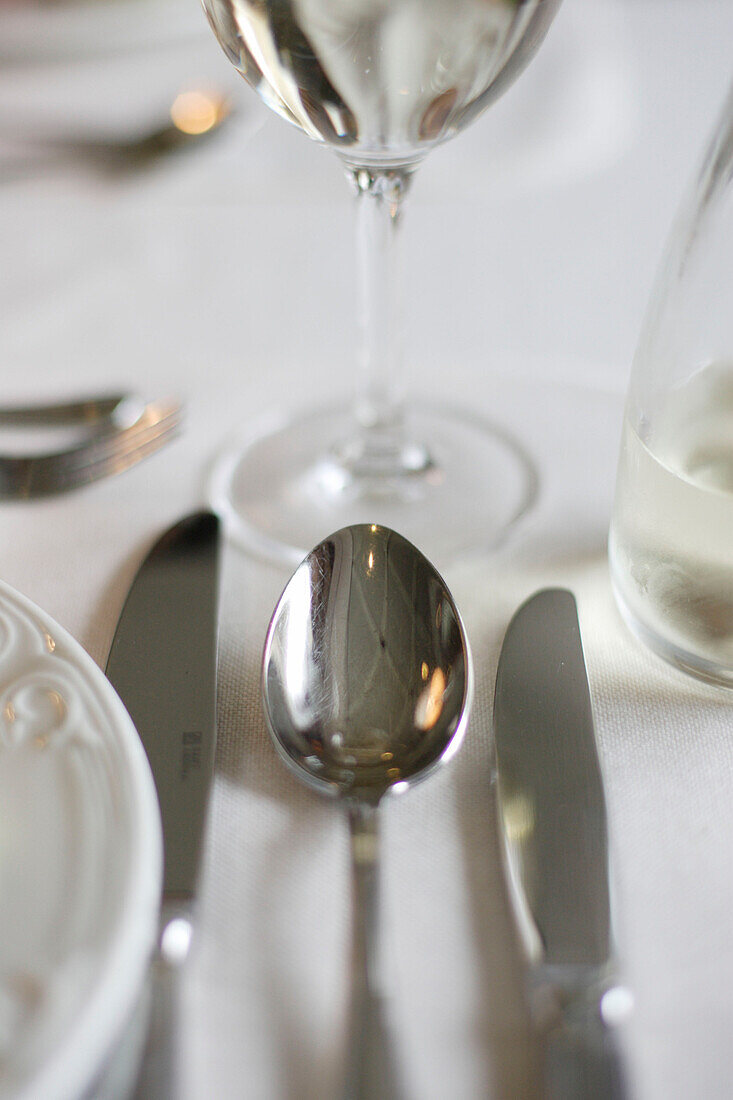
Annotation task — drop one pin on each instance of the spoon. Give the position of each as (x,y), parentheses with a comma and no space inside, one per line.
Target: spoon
(366,685)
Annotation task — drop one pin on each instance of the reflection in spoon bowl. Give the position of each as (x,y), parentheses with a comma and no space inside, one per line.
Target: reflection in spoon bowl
(365,668)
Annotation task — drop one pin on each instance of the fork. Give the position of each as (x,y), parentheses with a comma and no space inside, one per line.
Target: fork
(195,115)
(82,410)
(110,450)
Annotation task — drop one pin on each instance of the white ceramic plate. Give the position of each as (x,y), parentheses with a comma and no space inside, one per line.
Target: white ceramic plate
(80,860)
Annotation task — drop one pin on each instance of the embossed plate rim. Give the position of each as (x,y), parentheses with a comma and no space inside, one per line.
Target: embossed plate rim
(121,964)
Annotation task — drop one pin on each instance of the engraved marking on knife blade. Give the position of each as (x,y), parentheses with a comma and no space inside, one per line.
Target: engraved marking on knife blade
(190,752)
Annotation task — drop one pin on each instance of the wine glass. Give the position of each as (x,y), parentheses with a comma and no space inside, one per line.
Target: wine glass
(381,82)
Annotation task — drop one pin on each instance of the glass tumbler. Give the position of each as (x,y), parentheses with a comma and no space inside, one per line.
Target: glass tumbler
(671,537)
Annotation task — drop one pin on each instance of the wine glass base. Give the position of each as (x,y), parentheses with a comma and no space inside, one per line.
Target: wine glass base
(459,487)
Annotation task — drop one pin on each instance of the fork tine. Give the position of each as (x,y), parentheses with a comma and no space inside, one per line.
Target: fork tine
(113,463)
(154,418)
(111,452)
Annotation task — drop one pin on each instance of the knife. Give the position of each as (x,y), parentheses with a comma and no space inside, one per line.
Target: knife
(553,822)
(162,664)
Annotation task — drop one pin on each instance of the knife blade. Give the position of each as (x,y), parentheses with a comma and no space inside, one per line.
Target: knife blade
(162,663)
(552,817)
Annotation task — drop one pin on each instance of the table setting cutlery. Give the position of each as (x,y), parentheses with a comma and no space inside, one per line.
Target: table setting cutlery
(82,410)
(194,117)
(116,433)
(553,823)
(162,663)
(367,686)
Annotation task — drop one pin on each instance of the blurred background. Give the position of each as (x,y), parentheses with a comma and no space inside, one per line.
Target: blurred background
(534,235)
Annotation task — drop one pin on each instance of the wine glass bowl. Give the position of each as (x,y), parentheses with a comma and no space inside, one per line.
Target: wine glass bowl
(380,82)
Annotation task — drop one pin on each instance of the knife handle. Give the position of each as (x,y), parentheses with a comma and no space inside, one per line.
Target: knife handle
(158,1076)
(583,1062)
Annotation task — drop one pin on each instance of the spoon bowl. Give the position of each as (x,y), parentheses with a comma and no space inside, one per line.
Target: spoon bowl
(366,685)
(366,673)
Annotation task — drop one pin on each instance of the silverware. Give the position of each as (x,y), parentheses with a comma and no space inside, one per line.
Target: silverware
(82,410)
(162,664)
(195,115)
(366,686)
(553,819)
(114,445)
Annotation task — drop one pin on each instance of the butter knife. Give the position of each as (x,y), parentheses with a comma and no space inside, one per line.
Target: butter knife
(162,664)
(553,821)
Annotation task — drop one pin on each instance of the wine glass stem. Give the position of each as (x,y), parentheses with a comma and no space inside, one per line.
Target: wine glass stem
(379,409)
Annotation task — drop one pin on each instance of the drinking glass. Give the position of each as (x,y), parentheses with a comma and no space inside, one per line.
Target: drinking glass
(381,82)
(671,538)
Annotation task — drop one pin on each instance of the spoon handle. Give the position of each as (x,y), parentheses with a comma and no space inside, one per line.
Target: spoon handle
(371,1072)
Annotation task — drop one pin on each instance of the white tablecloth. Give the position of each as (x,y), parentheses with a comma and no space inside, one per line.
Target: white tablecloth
(225,277)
